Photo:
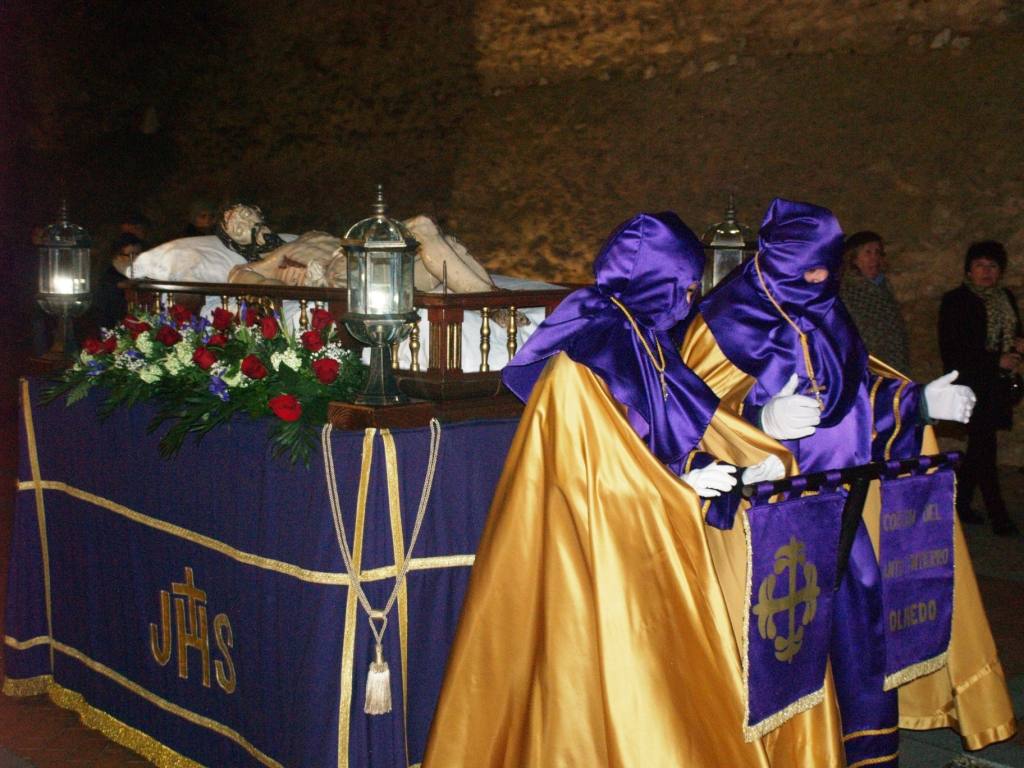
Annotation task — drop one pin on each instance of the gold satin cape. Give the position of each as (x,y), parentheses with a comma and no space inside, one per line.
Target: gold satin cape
(968,693)
(594,632)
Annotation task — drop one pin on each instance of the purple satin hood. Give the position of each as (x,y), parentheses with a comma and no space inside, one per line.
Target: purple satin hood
(794,238)
(647,264)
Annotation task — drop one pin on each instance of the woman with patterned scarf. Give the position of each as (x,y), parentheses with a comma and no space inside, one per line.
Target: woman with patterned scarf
(979,335)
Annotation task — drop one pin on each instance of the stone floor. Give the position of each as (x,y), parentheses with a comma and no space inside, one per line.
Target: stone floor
(35,732)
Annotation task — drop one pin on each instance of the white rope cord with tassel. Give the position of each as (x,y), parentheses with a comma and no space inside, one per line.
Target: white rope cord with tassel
(378,678)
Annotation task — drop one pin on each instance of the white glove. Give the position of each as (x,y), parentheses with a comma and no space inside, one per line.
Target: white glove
(769,469)
(712,480)
(789,417)
(948,401)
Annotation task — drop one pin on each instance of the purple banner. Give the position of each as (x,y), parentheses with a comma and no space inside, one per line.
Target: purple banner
(792,571)
(916,560)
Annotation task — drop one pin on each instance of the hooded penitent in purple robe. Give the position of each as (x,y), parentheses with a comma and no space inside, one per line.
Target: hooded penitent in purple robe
(746,343)
(646,265)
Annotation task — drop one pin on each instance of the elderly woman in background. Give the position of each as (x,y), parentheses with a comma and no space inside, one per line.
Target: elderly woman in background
(979,335)
(868,296)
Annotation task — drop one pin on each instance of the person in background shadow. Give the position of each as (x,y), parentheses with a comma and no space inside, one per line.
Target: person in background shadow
(109,304)
(201,219)
(868,296)
(980,336)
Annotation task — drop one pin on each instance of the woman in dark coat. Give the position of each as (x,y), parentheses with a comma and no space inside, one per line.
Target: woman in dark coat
(979,335)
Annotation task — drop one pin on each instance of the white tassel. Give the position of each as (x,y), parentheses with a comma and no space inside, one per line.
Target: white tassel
(378,686)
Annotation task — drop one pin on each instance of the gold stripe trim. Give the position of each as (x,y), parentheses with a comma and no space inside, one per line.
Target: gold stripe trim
(871,398)
(24,645)
(874,760)
(27,686)
(161,703)
(897,424)
(247,558)
(37,487)
(348,646)
(398,548)
(875,732)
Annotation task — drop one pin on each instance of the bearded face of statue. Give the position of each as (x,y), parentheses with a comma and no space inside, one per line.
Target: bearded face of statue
(241,222)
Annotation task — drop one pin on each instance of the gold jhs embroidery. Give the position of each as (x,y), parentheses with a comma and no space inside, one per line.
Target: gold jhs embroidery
(192,631)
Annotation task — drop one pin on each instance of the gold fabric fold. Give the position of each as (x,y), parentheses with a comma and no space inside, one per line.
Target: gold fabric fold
(968,693)
(594,632)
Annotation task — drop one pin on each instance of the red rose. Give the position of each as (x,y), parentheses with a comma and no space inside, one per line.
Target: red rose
(249,315)
(222,319)
(253,367)
(285,407)
(168,336)
(110,344)
(326,369)
(311,340)
(180,315)
(204,358)
(92,346)
(321,319)
(217,340)
(135,326)
(268,327)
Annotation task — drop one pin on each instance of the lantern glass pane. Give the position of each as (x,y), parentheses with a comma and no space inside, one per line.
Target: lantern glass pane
(63,271)
(383,284)
(356,280)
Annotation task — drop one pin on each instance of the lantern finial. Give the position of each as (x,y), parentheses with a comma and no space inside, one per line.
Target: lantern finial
(379,207)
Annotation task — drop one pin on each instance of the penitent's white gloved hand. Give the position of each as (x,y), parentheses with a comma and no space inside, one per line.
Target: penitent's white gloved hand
(948,401)
(712,480)
(769,469)
(789,417)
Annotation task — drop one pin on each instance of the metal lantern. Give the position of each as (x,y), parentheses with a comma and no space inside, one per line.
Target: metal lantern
(380,255)
(64,290)
(726,246)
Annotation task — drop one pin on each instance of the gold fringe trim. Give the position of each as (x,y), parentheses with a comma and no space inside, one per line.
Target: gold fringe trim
(121,733)
(874,760)
(745,655)
(914,671)
(770,723)
(27,686)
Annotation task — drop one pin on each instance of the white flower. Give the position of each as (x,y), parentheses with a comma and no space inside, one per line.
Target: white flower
(128,363)
(183,350)
(172,364)
(335,351)
(289,358)
(151,373)
(144,343)
(235,380)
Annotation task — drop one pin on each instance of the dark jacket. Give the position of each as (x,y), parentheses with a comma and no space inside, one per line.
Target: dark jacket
(962,336)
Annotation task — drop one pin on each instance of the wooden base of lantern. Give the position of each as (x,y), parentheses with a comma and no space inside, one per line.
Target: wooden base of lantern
(418,413)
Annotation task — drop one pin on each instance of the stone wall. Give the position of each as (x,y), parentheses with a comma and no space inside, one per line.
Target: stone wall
(529,42)
(531,129)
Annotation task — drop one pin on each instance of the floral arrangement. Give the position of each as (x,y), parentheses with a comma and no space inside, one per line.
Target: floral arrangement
(200,373)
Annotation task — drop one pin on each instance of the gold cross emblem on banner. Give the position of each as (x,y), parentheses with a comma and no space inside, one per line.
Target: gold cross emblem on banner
(788,560)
